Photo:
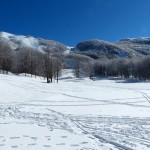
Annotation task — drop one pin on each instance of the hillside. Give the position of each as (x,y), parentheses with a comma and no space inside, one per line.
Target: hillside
(97,49)
(100,49)
(39,44)
(139,45)
(125,48)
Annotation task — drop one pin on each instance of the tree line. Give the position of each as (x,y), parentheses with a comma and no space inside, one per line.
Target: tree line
(49,64)
(30,61)
(137,68)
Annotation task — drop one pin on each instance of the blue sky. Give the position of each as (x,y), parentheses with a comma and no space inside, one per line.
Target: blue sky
(71,21)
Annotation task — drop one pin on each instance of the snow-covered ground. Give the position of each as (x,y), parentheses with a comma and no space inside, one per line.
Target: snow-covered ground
(75,114)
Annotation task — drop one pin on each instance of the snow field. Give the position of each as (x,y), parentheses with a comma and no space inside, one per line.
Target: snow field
(75,114)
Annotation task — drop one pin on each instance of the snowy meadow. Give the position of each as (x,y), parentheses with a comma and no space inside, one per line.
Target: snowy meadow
(74,114)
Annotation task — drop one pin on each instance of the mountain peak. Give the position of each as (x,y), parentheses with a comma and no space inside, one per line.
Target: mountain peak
(6,34)
(134,39)
(18,41)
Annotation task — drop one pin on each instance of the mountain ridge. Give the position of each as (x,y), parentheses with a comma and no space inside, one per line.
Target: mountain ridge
(17,41)
(95,48)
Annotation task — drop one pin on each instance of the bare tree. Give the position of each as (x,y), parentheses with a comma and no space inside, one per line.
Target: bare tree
(58,65)
(23,60)
(5,57)
(48,66)
(82,65)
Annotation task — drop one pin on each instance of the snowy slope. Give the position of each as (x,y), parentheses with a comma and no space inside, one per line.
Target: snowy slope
(135,45)
(75,114)
(20,40)
(125,48)
(17,41)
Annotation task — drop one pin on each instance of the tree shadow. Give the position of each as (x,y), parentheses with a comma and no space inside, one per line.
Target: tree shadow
(132,81)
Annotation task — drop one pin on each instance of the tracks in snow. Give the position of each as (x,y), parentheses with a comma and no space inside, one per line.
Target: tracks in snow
(120,133)
(116,132)
(123,133)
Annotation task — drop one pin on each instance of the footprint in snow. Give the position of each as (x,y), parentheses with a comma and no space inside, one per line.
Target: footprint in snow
(14,138)
(74,145)
(46,146)
(4,140)
(32,144)
(60,144)
(48,138)
(84,142)
(14,146)
(25,136)
(63,136)
(34,138)
(86,148)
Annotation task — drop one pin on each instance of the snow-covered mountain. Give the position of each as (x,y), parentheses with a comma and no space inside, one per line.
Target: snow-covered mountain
(97,49)
(136,45)
(39,44)
(100,49)
(124,48)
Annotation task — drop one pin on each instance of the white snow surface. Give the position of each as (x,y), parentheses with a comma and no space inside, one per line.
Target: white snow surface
(68,50)
(27,41)
(75,114)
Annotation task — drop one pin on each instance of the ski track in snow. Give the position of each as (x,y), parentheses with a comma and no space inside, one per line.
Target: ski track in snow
(122,133)
(94,131)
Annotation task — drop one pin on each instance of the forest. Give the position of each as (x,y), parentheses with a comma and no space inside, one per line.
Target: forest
(49,64)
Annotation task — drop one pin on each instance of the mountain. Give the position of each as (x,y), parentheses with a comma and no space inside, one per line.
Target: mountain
(125,48)
(137,45)
(97,49)
(39,44)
